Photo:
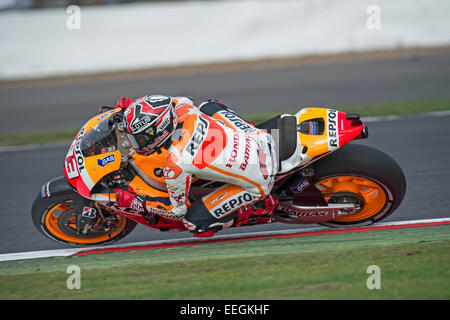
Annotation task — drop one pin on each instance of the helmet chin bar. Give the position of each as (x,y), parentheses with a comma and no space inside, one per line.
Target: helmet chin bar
(165,145)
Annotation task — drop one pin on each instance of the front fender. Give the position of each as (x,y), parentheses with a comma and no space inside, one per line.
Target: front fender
(53,192)
(56,187)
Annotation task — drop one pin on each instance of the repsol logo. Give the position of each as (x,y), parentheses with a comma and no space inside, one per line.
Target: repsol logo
(233,204)
(198,137)
(333,141)
(237,121)
(78,154)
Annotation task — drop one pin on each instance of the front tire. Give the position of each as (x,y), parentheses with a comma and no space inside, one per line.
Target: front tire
(370,176)
(55,217)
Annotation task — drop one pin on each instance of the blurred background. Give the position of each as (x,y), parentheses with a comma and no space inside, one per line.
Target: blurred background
(30,4)
(60,60)
(46,38)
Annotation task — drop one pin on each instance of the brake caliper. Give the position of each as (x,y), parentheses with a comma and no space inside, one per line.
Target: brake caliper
(87,216)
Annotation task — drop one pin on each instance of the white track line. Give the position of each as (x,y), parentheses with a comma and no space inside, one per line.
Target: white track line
(70,252)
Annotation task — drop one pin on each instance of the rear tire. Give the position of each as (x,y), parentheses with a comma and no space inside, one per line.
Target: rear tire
(367,172)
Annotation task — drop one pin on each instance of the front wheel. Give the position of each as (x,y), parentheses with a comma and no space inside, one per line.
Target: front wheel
(362,175)
(56,218)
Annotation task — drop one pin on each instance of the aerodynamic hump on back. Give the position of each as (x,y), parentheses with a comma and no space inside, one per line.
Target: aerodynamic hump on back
(324,130)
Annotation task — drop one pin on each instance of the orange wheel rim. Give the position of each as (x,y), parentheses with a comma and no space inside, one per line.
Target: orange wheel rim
(372,193)
(51,224)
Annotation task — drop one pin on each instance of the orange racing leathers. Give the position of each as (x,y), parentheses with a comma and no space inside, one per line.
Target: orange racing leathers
(221,147)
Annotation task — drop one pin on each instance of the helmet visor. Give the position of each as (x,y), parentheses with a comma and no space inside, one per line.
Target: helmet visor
(140,141)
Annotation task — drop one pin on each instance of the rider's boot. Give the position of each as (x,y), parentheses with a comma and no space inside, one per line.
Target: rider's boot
(201,222)
(259,212)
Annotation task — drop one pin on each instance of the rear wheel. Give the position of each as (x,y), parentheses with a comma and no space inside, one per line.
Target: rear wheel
(364,176)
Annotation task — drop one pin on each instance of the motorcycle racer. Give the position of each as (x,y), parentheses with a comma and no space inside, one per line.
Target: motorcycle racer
(210,142)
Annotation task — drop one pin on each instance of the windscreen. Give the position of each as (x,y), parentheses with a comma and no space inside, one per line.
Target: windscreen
(100,139)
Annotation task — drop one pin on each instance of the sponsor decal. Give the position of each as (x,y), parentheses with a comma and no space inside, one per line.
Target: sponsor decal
(177,194)
(171,171)
(179,199)
(78,154)
(168,173)
(301,186)
(164,124)
(137,126)
(70,152)
(333,141)
(71,168)
(158,171)
(198,137)
(243,165)
(234,152)
(89,212)
(157,211)
(74,163)
(313,214)
(109,149)
(164,120)
(318,213)
(108,159)
(105,115)
(237,121)
(158,140)
(312,127)
(232,204)
(138,204)
(219,198)
(45,190)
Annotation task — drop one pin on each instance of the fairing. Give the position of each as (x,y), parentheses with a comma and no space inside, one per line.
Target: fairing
(92,154)
(331,132)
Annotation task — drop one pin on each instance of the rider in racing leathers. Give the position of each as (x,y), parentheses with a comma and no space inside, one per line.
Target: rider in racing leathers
(212,143)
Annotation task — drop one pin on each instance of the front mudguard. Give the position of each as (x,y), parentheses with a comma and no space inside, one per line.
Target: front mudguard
(53,192)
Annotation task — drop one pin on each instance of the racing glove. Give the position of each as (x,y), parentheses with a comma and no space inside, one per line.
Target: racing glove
(129,199)
(124,102)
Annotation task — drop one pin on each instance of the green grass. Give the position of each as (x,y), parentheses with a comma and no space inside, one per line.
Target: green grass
(414,264)
(40,137)
(366,110)
(372,110)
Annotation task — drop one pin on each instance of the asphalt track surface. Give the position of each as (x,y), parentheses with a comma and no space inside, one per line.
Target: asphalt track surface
(419,143)
(68,104)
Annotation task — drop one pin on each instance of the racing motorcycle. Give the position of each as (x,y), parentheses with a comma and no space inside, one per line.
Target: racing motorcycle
(323,179)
